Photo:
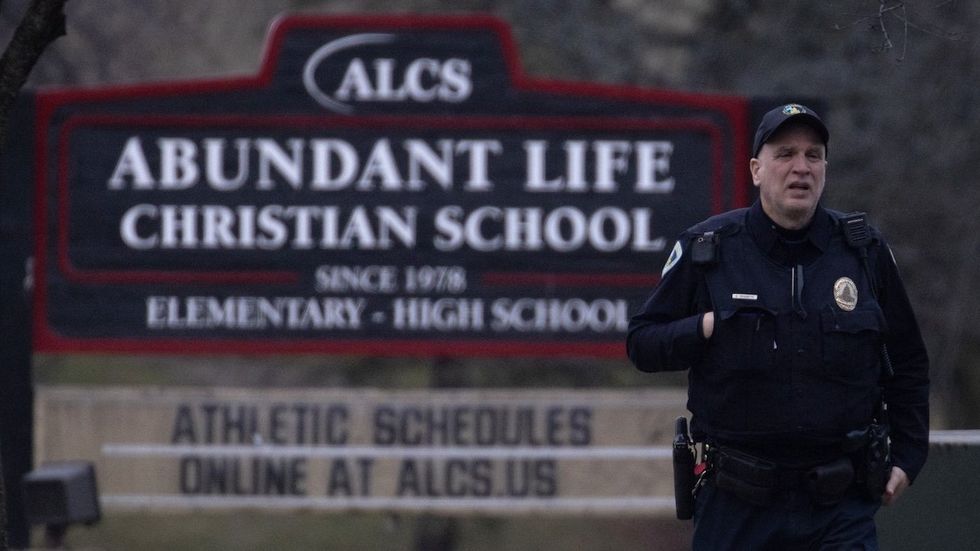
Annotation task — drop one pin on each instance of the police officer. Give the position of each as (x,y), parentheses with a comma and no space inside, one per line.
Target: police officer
(784,321)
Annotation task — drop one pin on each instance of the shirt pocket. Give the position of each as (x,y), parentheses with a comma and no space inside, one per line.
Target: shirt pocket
(851,343)
(744,340)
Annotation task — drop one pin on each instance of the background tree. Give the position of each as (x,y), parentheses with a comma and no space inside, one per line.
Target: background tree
(40,24)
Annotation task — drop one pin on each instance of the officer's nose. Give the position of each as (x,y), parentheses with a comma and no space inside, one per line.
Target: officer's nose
(800,164)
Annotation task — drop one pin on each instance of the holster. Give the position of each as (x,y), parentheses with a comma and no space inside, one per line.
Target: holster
(684,478)
(873,459)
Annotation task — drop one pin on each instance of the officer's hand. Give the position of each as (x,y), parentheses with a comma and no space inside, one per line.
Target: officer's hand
(708,324)
(897,483)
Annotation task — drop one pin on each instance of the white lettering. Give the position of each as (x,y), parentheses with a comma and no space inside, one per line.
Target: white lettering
(564,229)
(271,227)
(132,163)
(356,83)
(531,315)
(423,80)
(324,177)
(653,167)
(456,82)
(289,166)
(178,163)
(444,314)
(612,161)
(320,164)
(214,149)
(254,313)
(355,279)
(128,227)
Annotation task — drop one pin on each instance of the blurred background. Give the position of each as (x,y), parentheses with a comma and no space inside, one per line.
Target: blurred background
(899,82)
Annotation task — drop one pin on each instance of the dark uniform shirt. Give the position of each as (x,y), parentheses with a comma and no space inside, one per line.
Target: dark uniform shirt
(792,364)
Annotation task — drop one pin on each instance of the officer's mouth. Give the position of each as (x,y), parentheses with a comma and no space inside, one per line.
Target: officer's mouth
(799,186)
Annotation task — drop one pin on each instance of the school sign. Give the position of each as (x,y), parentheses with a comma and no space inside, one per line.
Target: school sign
(503,452)
(389,186)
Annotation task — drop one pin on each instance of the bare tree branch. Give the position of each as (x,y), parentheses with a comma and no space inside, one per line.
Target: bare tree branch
(43,23)
(905,37)
(887,42)
(900,11)
(931,30)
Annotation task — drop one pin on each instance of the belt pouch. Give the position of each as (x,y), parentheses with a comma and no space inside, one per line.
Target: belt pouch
(751,479)
(828,483)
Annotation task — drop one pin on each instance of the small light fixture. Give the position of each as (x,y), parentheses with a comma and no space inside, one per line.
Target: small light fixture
(59,494)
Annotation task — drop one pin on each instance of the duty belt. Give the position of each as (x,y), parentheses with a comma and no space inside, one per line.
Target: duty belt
(758,481)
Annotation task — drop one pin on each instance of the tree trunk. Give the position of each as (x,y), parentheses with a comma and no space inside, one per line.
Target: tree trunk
(42,24)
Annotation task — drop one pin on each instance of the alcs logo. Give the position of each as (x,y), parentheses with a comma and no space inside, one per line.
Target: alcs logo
(381,79)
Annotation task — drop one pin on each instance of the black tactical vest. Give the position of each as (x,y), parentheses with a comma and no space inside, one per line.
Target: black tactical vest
(774,368)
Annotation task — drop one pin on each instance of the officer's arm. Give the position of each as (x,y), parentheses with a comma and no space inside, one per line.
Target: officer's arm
(907,393)
(666,334)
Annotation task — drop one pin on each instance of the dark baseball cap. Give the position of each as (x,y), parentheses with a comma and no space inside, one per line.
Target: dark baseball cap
(776,118)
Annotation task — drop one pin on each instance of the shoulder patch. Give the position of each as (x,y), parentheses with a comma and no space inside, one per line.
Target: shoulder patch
(673,259)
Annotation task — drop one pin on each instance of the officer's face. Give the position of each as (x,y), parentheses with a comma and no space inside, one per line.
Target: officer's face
(790,172)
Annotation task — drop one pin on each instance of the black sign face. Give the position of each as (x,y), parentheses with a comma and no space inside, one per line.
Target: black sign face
(390,186)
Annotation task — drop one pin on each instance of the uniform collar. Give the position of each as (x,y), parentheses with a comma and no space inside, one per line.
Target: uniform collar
(766,234)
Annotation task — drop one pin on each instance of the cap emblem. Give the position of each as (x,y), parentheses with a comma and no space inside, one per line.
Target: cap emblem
(794,109)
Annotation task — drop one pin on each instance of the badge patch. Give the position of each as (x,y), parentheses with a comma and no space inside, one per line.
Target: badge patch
(675,256)
(845,293)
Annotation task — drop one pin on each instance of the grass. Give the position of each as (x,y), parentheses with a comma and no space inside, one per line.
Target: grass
(374,532)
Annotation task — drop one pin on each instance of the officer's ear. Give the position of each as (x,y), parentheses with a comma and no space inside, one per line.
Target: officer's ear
(754,166)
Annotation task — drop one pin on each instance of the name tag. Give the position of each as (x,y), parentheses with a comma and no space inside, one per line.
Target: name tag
(743,296)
